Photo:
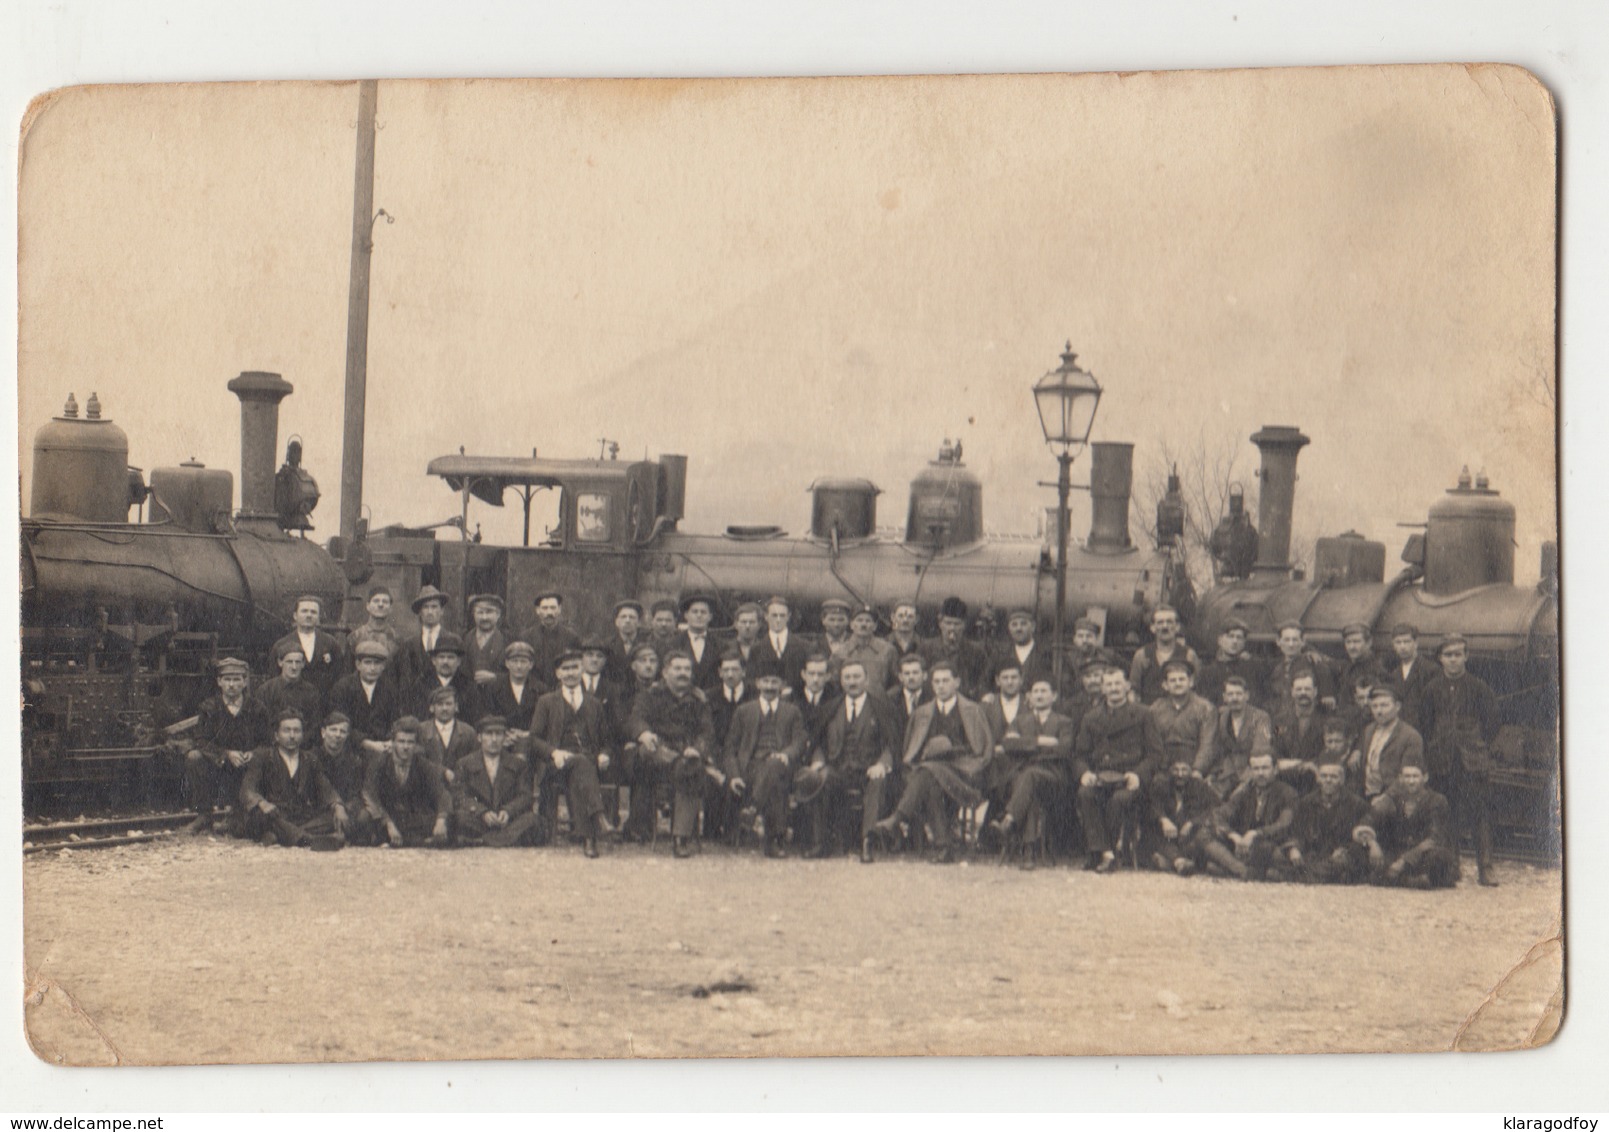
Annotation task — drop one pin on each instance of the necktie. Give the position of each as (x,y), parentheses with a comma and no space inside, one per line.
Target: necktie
(574,698)
(854,708)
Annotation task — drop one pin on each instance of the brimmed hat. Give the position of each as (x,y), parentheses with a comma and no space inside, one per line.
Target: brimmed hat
(448,642)
(694,598)
(428,593)
(1179,663)
(545,594)
(1385,690)
(566,657)
(836,603)
(1086,623)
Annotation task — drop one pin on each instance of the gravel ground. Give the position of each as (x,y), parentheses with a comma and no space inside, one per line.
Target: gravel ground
(196,951)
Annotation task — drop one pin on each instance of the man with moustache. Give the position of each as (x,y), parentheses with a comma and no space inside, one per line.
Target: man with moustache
(966,659)
(1021,650)
(485,643)
(875,655)
(860,750)
(902,636)
(548,636)
(1185,721)
(676,740)
(1145,672)
(1386,743)
(285,797)
(1459,713)
(763,747)
(446,661)
(662,627)
(1252,825)
(492,801)
(1299,732)
(570,732)
(378,627)
(1115,756)
(1035,755)
(443,737)
(1240,732)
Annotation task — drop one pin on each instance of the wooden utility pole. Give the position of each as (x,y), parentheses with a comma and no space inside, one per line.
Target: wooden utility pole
(357,316)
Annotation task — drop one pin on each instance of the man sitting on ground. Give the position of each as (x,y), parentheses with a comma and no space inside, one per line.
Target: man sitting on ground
(405,798)
(285,797)
(1408,834)
(1321,848)
(492,791)
(1252,825)
(1182,806)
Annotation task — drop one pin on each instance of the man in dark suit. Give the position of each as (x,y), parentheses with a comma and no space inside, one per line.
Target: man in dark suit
(816,698)
(571,732)
(367,698)
(860,750)
(747,620)
(1409,672)
(443,737)
(1006,703)
(485,643)
(781,644)
(290,690)
(662,626)
(446,662)
(1295,659)
(405,798)
(1115,756)
(549,636)
(1360,665)
(1320,848)
(951,645)
(1182,808)
(411,664)
(1022,650)
(1408,835)
(1299,732)
(1459,713)
(285,797)
(671,725)
(622,643)
(1231,659)
(1386,743)
(733,688)
(326,658)
(626,770)
(947,751)
(697,641)
(1034,754)
(492,803)
(911,692)
(1241,731)
(764,745)
(1251,826)
(514,696)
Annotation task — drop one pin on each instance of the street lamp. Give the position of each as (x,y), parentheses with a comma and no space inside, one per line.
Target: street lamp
(1067,398)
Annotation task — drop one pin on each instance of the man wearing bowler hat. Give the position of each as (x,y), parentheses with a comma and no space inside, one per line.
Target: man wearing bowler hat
(698,610)
(446,662)
(492,803)
(549,636)
(485,642)
(412,663)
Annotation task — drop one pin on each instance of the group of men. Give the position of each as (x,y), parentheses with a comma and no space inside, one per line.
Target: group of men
(1302,768)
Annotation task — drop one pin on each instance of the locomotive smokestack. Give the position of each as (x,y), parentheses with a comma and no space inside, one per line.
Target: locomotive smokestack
(1111,476)
(1276,499)
(260,395)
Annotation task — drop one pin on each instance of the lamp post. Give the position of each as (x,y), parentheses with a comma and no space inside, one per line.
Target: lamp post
(1067,398)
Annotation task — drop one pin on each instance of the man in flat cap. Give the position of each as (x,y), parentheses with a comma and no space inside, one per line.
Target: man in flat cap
(764,746)
(1231,659)
(549,636)
(1409,671)
(675,739)
(405,798)
(570,741)
(286,798)
(446,663)
(231,727)
(1408,835)
(947,750)
(1386,743)
(781,644)
(343,762)
(412,663)
(835,614)
(367,698)
(1086,647)
(1459,713)
(492,802)
(1185,722)
(966,659)
(291,690)
(485,643)
(443,737)
(326,660)
(1361,665)
(378,627)
(1022,649)
(1145,671)
(514,696)
(662,632)
(875,655)
(698,610)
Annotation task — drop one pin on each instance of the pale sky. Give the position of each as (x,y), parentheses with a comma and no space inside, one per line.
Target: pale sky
(790,278)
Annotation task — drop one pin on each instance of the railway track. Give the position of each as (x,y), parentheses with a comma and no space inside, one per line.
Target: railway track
(101,833)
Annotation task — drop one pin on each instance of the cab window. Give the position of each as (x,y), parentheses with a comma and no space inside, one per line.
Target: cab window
(593,517)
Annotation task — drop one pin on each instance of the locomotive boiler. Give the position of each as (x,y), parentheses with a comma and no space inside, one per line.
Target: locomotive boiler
(122,620)
(1457,577)
(618,536)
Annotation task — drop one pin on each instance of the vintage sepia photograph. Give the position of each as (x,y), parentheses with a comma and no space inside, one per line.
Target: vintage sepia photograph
(994,565)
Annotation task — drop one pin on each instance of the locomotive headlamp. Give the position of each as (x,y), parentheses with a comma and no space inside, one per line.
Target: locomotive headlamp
(1067,398)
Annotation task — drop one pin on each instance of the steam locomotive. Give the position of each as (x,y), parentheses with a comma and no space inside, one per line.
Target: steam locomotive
(1457,577)
(123,620)
(618,535)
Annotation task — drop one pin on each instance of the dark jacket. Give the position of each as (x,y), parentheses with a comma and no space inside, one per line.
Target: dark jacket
(1210,681)
(706,669)
(1145,670)
(280,694)
(794,652)
(549,645)
(876,737)
(419,799)
(971,663)
(1460,721)
(1183,803)
(554,717)
(1319,829)
(417,702)
(500,700)
(1037,666)
(371,717)
(1123,740)
(305,795)
(1411,836)
(722,710)
(742,738)
(1269,812)
(1405,743)
(328,663)
(463,741)
(679,722)
(1411,688)
(1291,742)
(475,794)
(219,730)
